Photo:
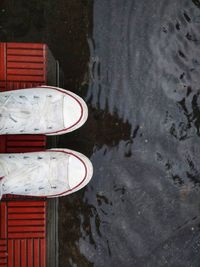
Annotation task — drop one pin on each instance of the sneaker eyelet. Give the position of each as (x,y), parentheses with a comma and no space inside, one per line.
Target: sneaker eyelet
(54,187)
(40,188)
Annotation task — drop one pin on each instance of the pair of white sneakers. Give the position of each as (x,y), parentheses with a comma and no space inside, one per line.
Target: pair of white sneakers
(51,173)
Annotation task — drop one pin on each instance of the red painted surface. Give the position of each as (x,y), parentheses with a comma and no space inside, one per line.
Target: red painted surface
(23,219)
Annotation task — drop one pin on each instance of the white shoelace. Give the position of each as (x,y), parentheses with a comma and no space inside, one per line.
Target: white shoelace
(45,175)
(24,113)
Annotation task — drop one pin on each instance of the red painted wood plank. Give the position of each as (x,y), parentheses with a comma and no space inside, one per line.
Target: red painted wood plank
(16,198)
(2,86)
(30,253)
(10,253)
(26,72)
(16,85)
(25,229)
(29,59)
(24,65)
(45,63)
(3,262)
(25,143)
(27,204)
(2,143)
(23,253)
(30,137)
(21,223)
(17,253)
(3,247)
(3,253)
(26,223)
(3,242)
(25,210)
(10,86)
(26,235)
(43,252)
(3,219)
(25,78)
(3,61)
(25,149)
(36,252)
(26,45)
(25,52)
(27,216)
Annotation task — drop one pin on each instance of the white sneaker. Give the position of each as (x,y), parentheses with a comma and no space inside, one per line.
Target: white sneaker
(41,110)
(51,173)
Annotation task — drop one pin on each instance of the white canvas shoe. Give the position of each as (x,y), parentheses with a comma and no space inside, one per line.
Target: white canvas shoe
(51,173)
(41,110)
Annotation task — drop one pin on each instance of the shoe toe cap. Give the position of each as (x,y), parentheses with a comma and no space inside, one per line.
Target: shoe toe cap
(75,112)
(80,171)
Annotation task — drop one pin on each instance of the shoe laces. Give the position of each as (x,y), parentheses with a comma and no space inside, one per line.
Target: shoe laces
(33,112)
(15,172)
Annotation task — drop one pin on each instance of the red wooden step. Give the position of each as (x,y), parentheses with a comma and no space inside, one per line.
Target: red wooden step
(3,217)
(29,46)
(26,253)
(24,52)
(22,219)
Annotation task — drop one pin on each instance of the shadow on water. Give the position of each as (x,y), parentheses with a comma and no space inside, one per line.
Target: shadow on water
(141,83)
(102,129)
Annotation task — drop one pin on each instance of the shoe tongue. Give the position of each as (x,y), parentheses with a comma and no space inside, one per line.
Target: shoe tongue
(56,115)
(49,115)
(58,169)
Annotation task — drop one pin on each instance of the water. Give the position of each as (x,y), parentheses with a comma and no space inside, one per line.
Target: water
(142,206)
(142,88)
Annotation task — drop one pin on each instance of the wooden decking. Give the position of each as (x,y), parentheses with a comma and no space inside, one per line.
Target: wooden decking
(23,220)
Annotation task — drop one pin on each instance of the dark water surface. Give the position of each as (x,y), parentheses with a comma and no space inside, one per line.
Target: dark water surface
(142,85)
(142,206)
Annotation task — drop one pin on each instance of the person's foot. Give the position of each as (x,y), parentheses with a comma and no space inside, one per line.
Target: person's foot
(41,110)
(51,173)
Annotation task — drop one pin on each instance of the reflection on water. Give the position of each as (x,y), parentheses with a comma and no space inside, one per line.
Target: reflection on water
(142,205)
